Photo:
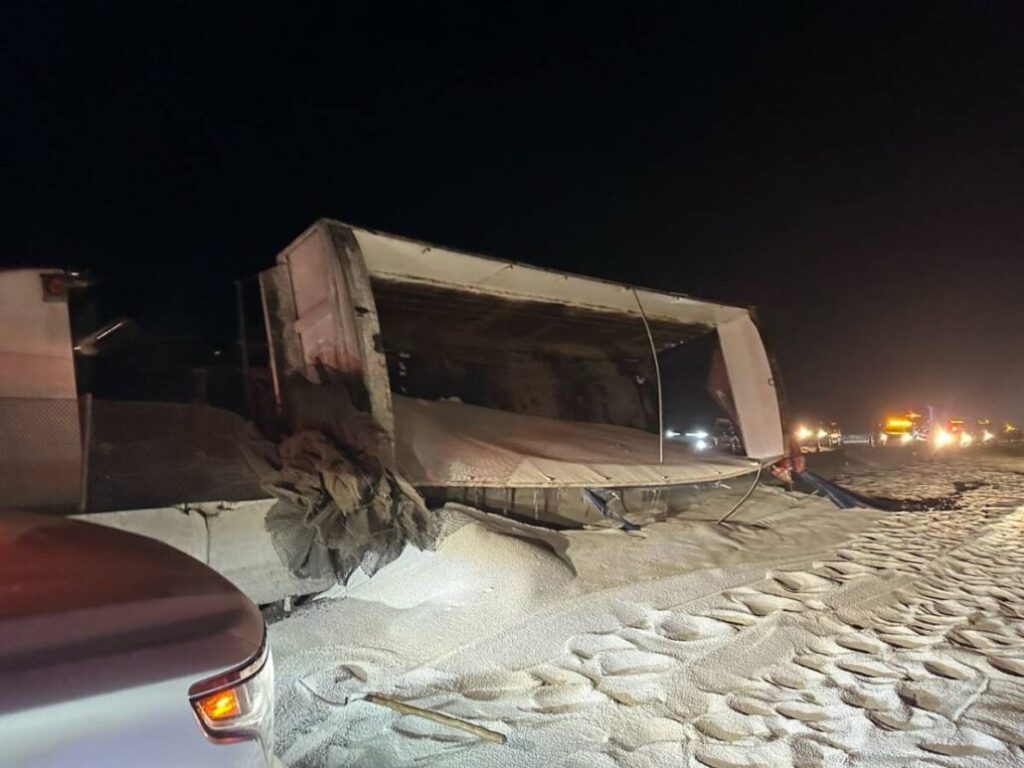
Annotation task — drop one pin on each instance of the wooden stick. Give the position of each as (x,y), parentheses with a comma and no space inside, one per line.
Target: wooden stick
(437,717)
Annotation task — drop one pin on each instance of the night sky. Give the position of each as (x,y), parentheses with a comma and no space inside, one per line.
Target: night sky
(855,172)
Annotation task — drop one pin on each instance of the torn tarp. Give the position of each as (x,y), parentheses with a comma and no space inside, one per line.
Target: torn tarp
(337,511)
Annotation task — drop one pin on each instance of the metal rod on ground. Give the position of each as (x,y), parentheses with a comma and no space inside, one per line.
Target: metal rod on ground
(437,717)
(746,496)
(657,376)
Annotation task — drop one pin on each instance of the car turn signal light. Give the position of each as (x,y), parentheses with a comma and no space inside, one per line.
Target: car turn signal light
(221,705)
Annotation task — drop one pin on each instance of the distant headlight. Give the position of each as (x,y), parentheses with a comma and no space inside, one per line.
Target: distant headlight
(822,434)
(239,704)
(987,436)
(906,438)
(701,445)
(883,438)
(803,433)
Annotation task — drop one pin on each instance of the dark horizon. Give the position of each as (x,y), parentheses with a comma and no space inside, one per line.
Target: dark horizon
(856,173)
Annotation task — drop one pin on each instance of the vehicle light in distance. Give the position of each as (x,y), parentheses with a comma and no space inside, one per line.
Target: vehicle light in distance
(966,438)
(942,438)
(906,438)
(895,423)
(987,437)
(803,433)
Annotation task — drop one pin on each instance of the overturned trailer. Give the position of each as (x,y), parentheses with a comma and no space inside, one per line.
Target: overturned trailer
(515,389)
(502,384)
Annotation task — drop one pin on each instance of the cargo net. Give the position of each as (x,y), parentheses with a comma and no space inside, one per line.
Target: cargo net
(339,509)
(148,454)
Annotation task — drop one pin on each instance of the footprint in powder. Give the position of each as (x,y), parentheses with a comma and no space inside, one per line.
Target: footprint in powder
(970,743)
(687,628)
(633,662)
(736,618)
(1006,664)
(797,710)
(788,678)
(763,604)
(633,691)
(557,700)
(589,646)
(875,701)
(909,640)
(748,705)
(813,661)
(857,641)
(947,668)
(803,581)
(730,726)
(897,720)
(869,669)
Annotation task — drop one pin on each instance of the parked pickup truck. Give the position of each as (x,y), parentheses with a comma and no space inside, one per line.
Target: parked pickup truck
(116,649)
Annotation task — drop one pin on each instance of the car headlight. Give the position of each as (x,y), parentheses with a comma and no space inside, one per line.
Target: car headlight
(239,704)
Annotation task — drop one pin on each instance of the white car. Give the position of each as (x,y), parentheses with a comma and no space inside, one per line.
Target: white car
(116,649)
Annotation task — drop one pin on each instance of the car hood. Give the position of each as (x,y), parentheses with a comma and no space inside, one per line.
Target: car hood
(86,609)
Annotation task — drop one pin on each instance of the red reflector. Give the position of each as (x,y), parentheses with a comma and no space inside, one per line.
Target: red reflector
(55,286)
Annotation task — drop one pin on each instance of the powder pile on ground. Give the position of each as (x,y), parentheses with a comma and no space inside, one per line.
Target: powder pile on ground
(799,635)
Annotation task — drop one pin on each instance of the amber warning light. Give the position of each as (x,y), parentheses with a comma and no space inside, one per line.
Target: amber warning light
(898,423)
(221,705)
